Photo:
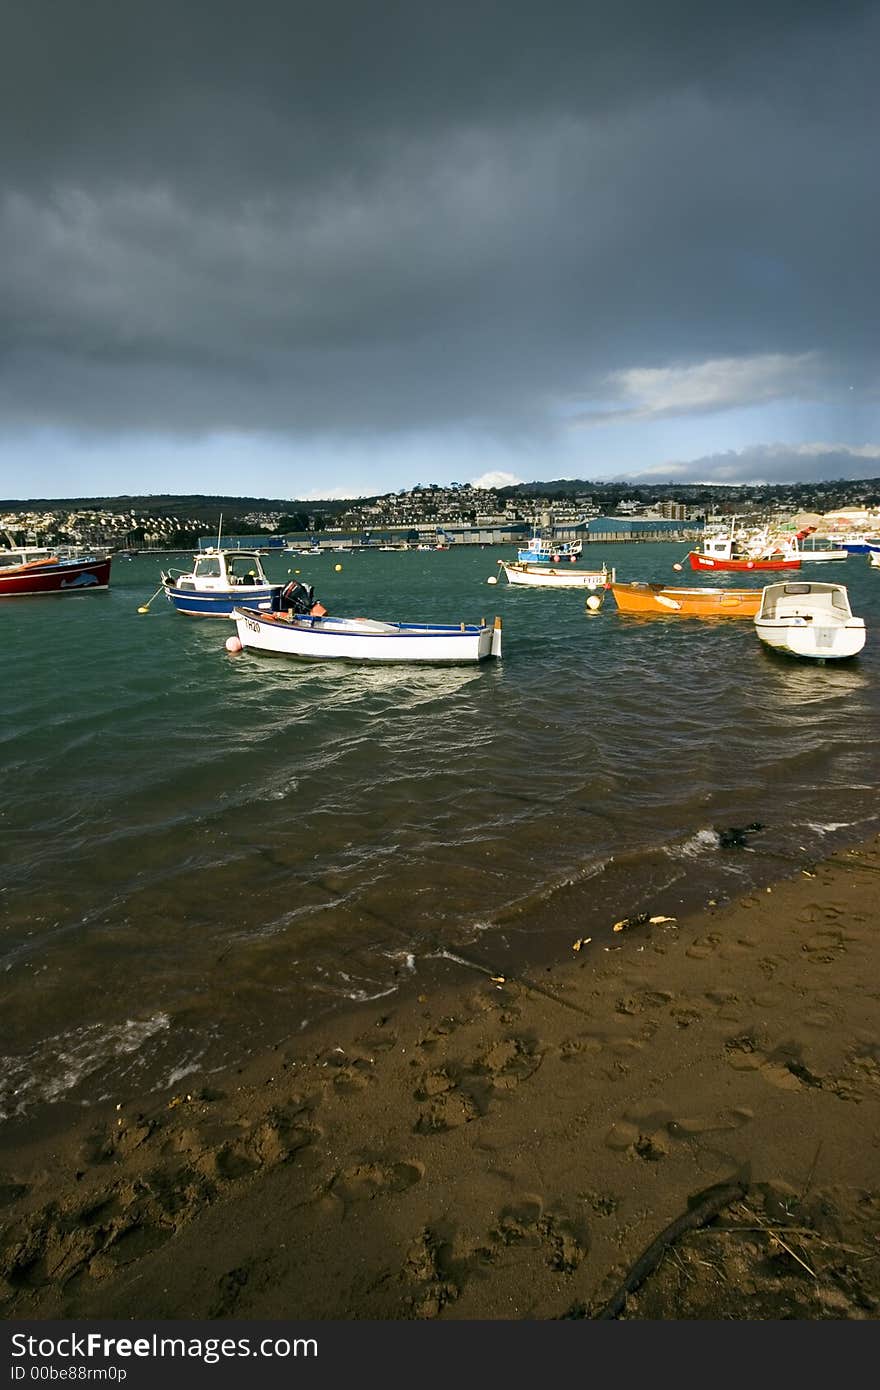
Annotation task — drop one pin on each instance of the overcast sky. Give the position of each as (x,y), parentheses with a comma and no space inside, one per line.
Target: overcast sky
(338,247)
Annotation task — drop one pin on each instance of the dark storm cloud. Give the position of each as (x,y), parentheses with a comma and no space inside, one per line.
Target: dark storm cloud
(386,217)
(770,463)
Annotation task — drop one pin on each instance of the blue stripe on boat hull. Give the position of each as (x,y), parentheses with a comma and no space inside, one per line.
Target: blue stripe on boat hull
(220,604)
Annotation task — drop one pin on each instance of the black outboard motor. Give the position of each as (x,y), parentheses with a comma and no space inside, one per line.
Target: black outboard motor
(298,597)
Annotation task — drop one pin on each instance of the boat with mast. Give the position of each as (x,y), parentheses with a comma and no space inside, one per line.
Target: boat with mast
(220,578)
(733,549)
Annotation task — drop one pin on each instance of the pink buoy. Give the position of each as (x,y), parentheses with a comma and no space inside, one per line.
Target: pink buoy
(233,644)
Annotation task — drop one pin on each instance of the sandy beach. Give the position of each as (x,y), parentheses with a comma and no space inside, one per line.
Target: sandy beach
(683,1123)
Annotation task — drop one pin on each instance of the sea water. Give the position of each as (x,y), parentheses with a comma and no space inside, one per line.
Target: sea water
(201,853)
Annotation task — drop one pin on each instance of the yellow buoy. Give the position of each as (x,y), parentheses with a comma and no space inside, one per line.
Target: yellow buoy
(338,569)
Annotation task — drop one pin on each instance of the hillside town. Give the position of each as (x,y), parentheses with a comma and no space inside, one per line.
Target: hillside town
(459,512)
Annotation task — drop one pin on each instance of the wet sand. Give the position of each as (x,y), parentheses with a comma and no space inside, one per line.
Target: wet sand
(508,1148)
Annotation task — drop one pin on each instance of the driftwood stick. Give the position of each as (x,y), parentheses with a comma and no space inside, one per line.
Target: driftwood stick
(691,1220)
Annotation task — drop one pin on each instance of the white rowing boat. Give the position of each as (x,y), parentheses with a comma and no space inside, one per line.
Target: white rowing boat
(541,576)
(366,639)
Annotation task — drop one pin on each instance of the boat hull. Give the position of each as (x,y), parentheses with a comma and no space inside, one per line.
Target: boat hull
(818,642)
(62,577)
(705,563)
(219,603)
(535,576)
(660,600)
(366,640)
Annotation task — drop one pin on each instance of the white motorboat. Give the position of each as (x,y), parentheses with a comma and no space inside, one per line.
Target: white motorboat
(812,553)
(327,638)
(810,619)
(809,545)
(874,558)
(541,576)
(217,581)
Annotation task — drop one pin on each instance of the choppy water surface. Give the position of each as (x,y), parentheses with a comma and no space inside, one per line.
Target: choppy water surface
(200,853)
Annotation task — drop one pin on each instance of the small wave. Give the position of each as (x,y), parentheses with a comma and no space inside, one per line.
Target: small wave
(545,892)
(407,958)
(177,1074)
(445,954)
(58,1064)
(362,996)
(829,827)
(695,846)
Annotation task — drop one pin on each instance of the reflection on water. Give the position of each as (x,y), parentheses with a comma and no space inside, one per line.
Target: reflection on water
(805,683)
(236,843)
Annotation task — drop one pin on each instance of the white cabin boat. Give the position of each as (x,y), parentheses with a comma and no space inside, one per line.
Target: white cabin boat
(218,580)
(326,638)
(812,552)
(810,619)
(541,576)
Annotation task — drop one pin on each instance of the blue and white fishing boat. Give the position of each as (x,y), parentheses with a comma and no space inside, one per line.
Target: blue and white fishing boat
(218,580)
(545,550)
(860,545)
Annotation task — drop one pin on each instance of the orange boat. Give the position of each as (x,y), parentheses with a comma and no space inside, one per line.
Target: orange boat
(659,600)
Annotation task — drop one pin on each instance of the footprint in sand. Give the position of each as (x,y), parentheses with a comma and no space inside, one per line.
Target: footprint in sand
(509,1061)
(346,1071)
(643,1131)
(370,1179)
(642,1001)
(225,1153)
(692,1126)
(428,1275)
(249,1278)
(564,1243)
(458,1094)
(447,1112)
(826,946)
(434,1035)
(380,1038)
(624,1137)
(434,1083)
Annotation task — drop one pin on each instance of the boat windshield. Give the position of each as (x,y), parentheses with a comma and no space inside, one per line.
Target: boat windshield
(244,569)
(209,568)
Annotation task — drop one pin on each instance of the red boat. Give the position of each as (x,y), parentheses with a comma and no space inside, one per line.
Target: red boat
(743,550)
(699,561)
(32,570)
